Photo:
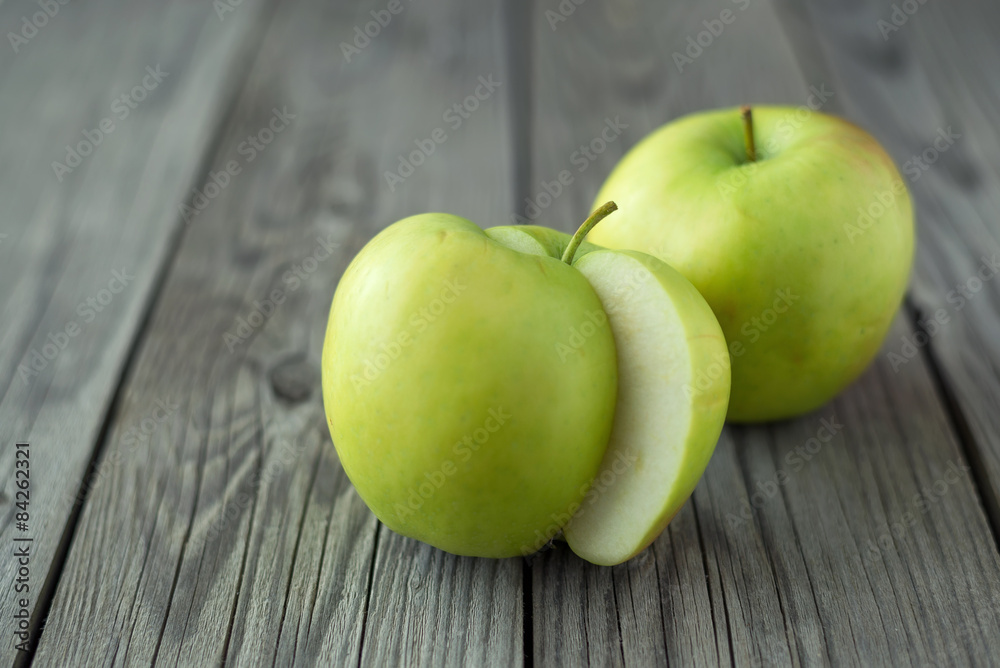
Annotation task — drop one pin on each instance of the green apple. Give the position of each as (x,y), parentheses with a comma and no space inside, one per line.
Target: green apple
(795,226)
(552,383)
(459,406)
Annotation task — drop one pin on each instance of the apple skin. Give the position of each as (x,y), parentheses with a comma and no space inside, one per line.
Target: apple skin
(741,232)
(412,422)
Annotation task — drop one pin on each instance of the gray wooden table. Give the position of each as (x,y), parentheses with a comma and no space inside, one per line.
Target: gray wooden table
(167,168)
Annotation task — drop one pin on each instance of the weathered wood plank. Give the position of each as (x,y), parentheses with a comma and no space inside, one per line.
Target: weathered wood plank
(252,545)
(428,607)
(917,79)
(753,571)
(82,244)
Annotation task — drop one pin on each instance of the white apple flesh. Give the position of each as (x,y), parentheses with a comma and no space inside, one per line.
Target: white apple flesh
(665,430)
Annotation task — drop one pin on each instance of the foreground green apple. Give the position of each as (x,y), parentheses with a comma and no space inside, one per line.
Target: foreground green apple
(454,413)
(797,229)
(470,381)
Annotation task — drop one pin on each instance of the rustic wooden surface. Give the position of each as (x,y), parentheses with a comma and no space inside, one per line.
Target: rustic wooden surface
(213,523)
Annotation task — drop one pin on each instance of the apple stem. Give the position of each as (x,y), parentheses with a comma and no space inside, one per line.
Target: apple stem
(600,214)
(748,132)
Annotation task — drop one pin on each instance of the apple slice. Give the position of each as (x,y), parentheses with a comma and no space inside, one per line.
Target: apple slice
(673,392)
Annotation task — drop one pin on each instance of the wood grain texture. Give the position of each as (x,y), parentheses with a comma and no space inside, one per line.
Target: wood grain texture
(908,78)
(218,526)
(840,564)
(233,535)
(65,235)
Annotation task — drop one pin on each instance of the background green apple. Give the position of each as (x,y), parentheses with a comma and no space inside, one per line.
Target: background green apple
(464,406)
(803,253)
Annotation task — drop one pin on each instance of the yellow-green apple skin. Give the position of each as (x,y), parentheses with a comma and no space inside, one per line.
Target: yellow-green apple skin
(665,427)
(803,254)
(460,406)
